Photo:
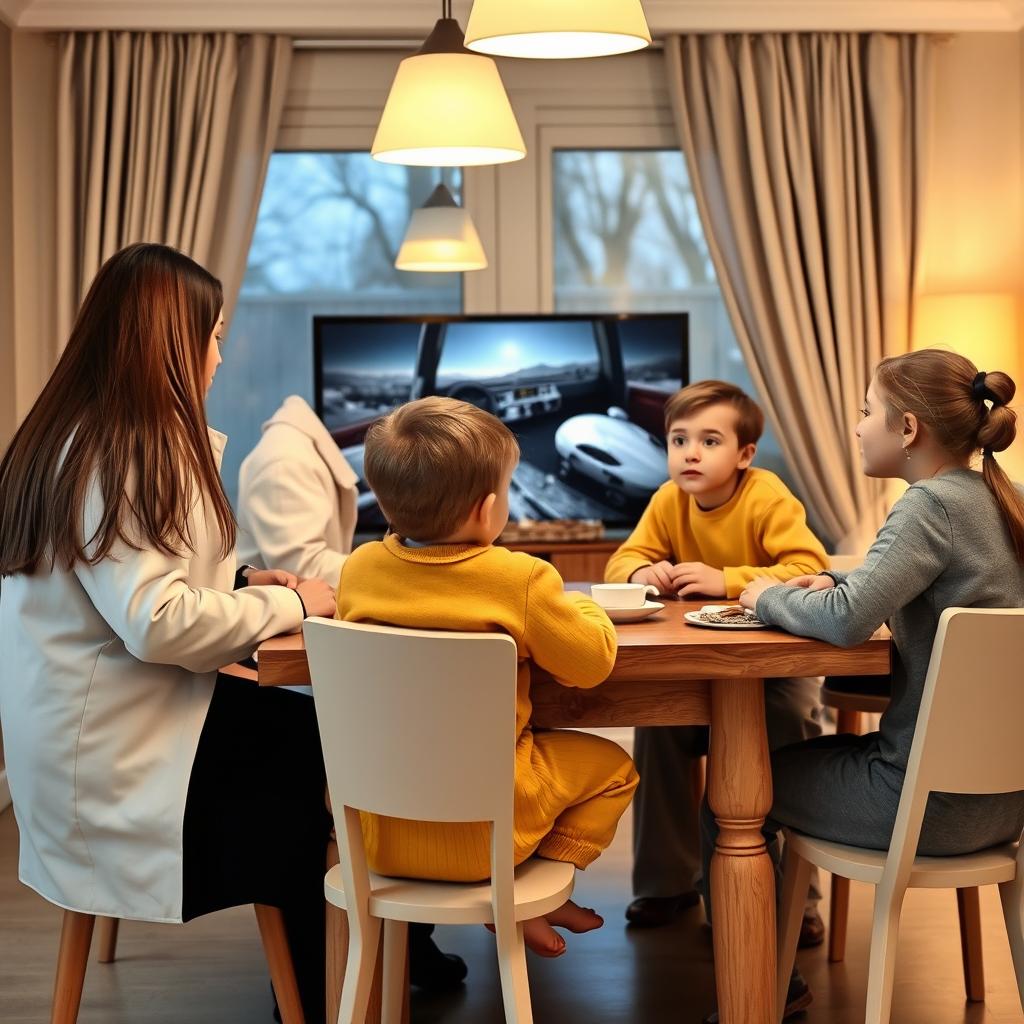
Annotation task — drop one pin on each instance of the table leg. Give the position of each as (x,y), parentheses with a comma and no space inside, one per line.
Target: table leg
(742,877)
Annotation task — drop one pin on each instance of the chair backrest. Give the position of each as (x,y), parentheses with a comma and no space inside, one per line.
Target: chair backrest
(415,724)
(968,737)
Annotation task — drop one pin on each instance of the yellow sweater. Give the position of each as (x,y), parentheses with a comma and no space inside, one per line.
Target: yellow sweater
(491,589)
(760,531)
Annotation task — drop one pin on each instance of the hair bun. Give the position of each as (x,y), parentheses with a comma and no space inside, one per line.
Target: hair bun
(999,426)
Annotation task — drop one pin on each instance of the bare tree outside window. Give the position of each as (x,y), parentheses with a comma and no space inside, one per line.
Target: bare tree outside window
(628,238)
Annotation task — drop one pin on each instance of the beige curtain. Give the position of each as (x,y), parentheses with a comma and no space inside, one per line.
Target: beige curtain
(806,155)
(163,138)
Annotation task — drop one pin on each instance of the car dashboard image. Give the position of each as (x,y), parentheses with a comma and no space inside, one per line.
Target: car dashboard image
(583,394)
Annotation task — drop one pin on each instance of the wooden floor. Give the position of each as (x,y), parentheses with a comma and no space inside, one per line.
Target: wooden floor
(212,972)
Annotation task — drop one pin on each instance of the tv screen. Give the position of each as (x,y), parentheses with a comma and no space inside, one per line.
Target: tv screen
(583,395)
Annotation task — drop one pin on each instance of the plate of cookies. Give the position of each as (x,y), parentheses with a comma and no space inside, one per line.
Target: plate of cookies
(724,616)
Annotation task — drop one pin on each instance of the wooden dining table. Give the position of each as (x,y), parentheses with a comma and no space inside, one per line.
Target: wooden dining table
(669,672)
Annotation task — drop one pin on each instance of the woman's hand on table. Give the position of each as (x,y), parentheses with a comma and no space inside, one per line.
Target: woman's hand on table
(754,589)
(271,578)
(317,597)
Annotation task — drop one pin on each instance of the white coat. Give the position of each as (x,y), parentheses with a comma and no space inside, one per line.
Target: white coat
(296,497)
(105,680)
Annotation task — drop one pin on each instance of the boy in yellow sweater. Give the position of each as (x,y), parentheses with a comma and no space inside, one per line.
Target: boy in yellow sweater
(717,524)
(441,471)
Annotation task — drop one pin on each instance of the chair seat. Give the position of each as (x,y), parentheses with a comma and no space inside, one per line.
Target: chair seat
(987,867)
(541,886)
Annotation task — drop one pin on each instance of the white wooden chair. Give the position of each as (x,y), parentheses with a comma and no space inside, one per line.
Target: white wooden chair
(967,741)
(421,725)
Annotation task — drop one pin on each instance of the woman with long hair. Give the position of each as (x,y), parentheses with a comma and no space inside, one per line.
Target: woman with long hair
(145,785)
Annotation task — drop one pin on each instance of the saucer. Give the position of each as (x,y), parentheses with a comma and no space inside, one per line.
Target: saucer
(694,619)
(634,614)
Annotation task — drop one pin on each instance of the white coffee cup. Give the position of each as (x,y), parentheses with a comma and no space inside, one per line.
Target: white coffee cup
(622,595)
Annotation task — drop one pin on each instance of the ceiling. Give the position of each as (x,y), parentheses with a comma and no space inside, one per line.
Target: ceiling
(411,19)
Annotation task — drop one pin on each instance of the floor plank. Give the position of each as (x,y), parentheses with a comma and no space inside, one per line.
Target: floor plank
(212,971)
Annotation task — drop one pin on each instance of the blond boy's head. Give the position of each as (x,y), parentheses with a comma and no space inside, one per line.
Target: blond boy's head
(431,463)
(712,429)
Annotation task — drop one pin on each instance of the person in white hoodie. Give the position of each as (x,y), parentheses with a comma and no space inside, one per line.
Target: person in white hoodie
(146,784)
(297,511)
(296,497)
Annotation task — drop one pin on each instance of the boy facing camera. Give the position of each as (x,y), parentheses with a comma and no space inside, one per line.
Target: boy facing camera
(441,471)
(717,524)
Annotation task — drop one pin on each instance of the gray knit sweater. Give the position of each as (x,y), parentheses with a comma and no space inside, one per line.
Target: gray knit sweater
(944,545)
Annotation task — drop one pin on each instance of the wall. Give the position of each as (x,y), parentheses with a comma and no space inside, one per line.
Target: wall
(974,225)
(8,416)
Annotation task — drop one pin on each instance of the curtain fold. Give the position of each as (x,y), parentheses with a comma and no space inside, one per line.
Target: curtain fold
(163,137)
(807,155)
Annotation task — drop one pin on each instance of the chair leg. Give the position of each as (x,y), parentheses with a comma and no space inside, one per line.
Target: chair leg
(969,908)
(795,876)
(106,935)
(363,943)
(1011,895)
(279,960)
(75,939)
(396,971)
(838,919)
(847,721)
(885,927)
(515,982)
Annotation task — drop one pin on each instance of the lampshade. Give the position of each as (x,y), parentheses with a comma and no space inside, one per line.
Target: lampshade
(556,28)
(441,237)
(447,108)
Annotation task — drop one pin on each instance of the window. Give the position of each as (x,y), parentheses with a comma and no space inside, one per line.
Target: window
(628,237)
(327,233)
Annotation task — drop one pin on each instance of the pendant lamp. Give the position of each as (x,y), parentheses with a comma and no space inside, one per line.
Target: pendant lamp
(556,28)
(441,237)
(447,107)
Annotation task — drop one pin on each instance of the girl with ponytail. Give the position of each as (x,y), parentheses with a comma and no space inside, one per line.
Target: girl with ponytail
(955,539)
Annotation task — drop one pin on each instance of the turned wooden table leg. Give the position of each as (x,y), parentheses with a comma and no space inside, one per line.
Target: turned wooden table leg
(742,876)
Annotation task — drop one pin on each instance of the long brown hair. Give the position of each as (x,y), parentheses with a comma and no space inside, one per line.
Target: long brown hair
(952,399)
(122,412)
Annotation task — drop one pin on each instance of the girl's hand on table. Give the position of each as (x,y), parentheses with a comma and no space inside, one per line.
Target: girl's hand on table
(271,578)
(812,582)
(317,597)
(754,589)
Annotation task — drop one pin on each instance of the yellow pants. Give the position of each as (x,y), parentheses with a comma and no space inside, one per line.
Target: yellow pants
(571,788)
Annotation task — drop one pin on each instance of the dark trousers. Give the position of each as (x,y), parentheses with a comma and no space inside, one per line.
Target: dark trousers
(256,825)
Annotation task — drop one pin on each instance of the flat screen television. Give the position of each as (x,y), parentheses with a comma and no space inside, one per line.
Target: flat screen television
(583,393)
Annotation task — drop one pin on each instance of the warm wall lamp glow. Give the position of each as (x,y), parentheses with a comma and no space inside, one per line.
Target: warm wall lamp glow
(556,28)
(441,237)
(447,107)
(980,325)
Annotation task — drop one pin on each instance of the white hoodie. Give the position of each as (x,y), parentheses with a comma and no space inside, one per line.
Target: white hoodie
(296,497)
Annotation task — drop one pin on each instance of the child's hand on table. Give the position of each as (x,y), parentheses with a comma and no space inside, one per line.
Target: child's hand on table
(658,575)
(754,589)
(812,582)
(697,578)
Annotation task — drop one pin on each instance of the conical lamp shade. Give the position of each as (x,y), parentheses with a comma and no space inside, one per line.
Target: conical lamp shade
(556,28)
(447,108)
(441,237)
